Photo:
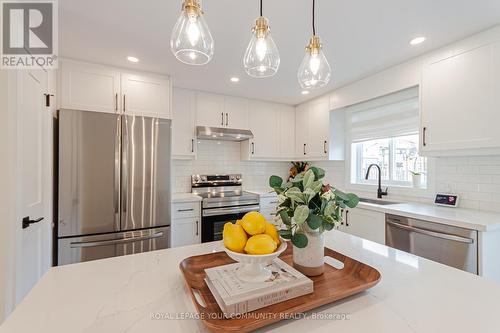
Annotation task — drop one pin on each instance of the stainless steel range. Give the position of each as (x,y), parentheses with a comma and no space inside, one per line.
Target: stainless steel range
(223,201)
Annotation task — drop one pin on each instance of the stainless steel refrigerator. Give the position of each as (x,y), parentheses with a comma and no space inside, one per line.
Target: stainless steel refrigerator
(113,185)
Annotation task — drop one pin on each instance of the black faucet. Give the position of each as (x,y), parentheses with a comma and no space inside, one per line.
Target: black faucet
(380,193)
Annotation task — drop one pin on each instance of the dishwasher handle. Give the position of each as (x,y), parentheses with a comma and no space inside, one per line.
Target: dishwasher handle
(431,233)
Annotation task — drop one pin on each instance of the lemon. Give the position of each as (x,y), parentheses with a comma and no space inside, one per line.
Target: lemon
(238,222)
(271,231)
(234,237)
(260,244)
(254,223)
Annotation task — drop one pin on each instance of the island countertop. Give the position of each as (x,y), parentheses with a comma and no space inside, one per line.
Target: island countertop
(146,293)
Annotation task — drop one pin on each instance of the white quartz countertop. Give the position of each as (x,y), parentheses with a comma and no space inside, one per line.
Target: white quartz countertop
(460,217)
(185,197)
(126,294)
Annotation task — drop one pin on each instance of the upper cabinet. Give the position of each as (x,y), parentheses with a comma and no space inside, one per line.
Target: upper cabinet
(312,127)
(183,124)
(460,99)
(91,87)
(145,95)
(221,111)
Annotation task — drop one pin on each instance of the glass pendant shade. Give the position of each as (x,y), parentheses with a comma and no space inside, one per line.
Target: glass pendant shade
(191,41)
(314,71)
(261,58)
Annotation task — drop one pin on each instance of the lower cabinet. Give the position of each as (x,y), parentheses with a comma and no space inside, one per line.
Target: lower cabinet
(186,224)
(364,223)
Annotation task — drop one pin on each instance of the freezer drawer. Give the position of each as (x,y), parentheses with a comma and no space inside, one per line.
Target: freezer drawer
(449,245)
(86,248)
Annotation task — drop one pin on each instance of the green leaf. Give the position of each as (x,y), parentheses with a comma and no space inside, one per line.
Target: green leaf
(353,200)
(298,178)
(301,213)
(275,181)
(314,221)
(286,234)
(316,186)
(285,218)
(318,172)
(308,179)
(309,194)
(327,226)
(295,194)
(299,240)
(341,195)
(330,208)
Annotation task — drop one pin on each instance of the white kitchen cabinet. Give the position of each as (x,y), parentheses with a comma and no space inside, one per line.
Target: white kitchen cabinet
(183,124)
(209,110)
(145,95)
(312,129)
(460,100)
(235,112)
(186,224)
(364,223)
(286,132)
(263,123)
(89,87)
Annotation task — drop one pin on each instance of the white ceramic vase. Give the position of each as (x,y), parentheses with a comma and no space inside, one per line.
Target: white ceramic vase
(416,180)
(310,259)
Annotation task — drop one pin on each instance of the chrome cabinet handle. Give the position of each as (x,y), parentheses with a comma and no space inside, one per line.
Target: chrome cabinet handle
(253,148)
(424,143)
(222,117)
(227,119)
(185,210)
(346,218)
(432,233)
(197,232)
(116,102)
(123,102)
(304,149)
(324,147)
(192,145)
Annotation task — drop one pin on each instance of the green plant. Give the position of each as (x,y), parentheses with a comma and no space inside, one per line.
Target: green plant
(305,200)
(415,173)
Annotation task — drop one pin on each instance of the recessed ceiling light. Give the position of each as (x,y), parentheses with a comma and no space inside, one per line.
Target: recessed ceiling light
(132,59)
(417,40)
(305,92)
(235,79)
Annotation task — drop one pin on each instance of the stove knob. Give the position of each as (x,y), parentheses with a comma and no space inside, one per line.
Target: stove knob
(238,177)
(204,178)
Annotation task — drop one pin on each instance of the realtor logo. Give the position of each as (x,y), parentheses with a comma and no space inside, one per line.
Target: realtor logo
(28,34)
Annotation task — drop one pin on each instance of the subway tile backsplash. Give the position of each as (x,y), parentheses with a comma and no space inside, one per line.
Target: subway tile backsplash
(475,179)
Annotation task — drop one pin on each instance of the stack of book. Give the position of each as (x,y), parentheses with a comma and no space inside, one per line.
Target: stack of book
(236,297)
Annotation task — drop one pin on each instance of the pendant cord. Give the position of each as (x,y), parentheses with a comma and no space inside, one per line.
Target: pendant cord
(261,8)
(313,18)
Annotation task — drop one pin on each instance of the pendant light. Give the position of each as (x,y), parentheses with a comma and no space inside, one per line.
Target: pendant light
(314,71)
(261,58)
(191,41)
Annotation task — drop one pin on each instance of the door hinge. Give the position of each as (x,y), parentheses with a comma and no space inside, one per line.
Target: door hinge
(47,99)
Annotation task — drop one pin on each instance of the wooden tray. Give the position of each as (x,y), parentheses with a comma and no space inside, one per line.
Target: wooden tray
(332,286)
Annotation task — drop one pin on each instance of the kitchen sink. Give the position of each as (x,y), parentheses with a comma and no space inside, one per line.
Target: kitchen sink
(377,201)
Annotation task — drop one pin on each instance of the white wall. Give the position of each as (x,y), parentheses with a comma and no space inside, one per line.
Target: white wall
(4,205)
(224,157)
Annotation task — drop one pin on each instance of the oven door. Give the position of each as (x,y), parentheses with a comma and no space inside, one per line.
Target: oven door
(213,220)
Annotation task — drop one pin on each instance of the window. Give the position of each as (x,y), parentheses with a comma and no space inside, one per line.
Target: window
(385,131)
(397,158)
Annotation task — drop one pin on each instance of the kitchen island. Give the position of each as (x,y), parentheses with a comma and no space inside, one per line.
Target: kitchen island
(146,293)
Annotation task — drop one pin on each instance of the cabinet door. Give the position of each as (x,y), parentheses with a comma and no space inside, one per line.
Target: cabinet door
(263,124)
(366,224)
(236,112)
(185,232)
(183,124)
(287,132)
(301,131)
(319,125)
(210,110)
(144,95)
(459,101)
(89,87)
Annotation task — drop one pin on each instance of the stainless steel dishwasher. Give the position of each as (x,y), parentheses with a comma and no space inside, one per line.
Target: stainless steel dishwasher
(449,245)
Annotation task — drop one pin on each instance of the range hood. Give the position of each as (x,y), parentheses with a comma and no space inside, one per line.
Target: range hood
(222,134)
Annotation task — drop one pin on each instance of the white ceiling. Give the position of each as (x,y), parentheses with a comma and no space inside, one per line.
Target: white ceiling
(360,37)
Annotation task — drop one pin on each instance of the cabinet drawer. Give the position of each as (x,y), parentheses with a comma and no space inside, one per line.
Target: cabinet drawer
(185,209)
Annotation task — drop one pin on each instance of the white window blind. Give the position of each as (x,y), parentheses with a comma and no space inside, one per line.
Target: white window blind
(393,115)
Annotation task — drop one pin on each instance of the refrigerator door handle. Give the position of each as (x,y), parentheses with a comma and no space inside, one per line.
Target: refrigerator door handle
(124,171)
(118,157)
(115,241)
